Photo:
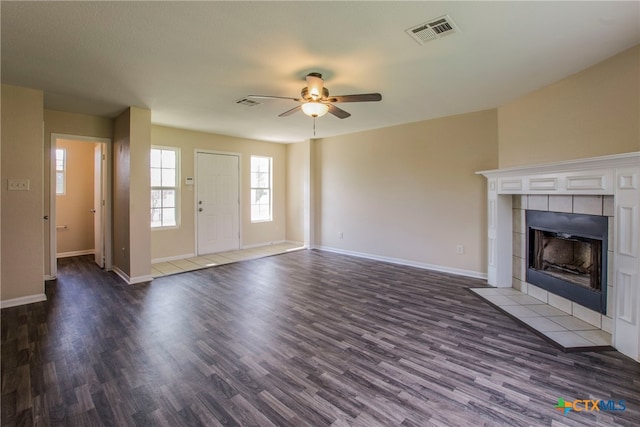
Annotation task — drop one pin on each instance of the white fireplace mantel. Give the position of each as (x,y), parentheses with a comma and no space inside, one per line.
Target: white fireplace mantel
(616,175)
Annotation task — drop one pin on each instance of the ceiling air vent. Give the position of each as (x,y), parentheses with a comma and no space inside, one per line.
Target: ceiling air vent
(433,29)
(248,102)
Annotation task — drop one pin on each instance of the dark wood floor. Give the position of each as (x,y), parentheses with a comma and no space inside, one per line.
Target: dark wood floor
(308,338)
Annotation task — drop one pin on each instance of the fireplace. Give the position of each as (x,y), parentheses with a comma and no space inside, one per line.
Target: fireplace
(616,178)
(567,256)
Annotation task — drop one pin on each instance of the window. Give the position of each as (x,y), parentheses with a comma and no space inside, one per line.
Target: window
(260,188)
(164,187)
(61,167)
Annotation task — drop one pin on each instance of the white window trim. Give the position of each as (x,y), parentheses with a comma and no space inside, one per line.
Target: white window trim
(270,188)
(177,188)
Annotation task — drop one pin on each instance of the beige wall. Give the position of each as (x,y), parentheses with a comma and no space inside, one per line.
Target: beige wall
(60,122)
(592,113)
(73,208)
(131,188)
(140,193)
(77,124)
(297,188)
(171,243)
(409,192)
(22,236)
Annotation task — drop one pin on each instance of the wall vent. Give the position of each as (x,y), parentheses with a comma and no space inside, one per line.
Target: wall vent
(433,29)
(248,102)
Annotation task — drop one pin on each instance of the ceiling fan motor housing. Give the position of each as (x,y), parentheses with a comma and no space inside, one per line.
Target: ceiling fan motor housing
(304,94)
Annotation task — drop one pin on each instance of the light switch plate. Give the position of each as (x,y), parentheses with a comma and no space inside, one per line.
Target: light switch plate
(18,185)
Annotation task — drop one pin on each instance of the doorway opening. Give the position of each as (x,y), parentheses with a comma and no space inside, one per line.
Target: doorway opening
(80,199)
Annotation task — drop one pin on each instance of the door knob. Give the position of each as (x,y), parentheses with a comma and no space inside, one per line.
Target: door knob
(92,210)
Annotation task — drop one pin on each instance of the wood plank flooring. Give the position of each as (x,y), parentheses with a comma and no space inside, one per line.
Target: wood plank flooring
(308,338)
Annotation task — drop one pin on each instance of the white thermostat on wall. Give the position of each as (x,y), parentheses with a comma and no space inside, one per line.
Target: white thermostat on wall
(188,180)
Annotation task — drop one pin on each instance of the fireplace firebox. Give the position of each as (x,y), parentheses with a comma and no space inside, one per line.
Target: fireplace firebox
(567,256)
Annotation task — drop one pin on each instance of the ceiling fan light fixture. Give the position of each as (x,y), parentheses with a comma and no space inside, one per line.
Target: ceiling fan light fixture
(315,109)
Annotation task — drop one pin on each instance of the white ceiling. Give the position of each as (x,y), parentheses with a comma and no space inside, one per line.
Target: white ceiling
(188,62)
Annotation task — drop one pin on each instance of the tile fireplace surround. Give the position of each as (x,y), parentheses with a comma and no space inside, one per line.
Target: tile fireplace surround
(616,180)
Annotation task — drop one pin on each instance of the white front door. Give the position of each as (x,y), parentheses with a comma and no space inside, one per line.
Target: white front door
(217,202)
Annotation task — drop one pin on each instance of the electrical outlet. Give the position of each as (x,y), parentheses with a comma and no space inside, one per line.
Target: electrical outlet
(18,185)
(460,250)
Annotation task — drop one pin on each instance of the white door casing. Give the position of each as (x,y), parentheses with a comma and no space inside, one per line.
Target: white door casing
(98,204)
(217,202)
(107,165)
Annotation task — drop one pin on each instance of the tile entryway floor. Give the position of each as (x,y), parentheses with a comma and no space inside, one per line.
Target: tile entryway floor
(566,331)
(195,263)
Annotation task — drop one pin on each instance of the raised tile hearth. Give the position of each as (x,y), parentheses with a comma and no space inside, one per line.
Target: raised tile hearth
(565,331)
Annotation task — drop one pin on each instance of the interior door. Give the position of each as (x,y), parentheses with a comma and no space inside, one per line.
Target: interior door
(98,205)
(217,203)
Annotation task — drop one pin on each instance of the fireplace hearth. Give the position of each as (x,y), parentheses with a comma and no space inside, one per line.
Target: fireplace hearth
(567,256)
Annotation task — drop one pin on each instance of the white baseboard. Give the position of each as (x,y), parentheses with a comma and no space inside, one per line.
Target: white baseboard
(75,253)
(132,280)
(172,258)
(48,277)
(438,268)
(141,279)
(14,302)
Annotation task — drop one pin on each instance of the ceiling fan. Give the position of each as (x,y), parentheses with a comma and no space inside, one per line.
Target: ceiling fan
(315,100)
